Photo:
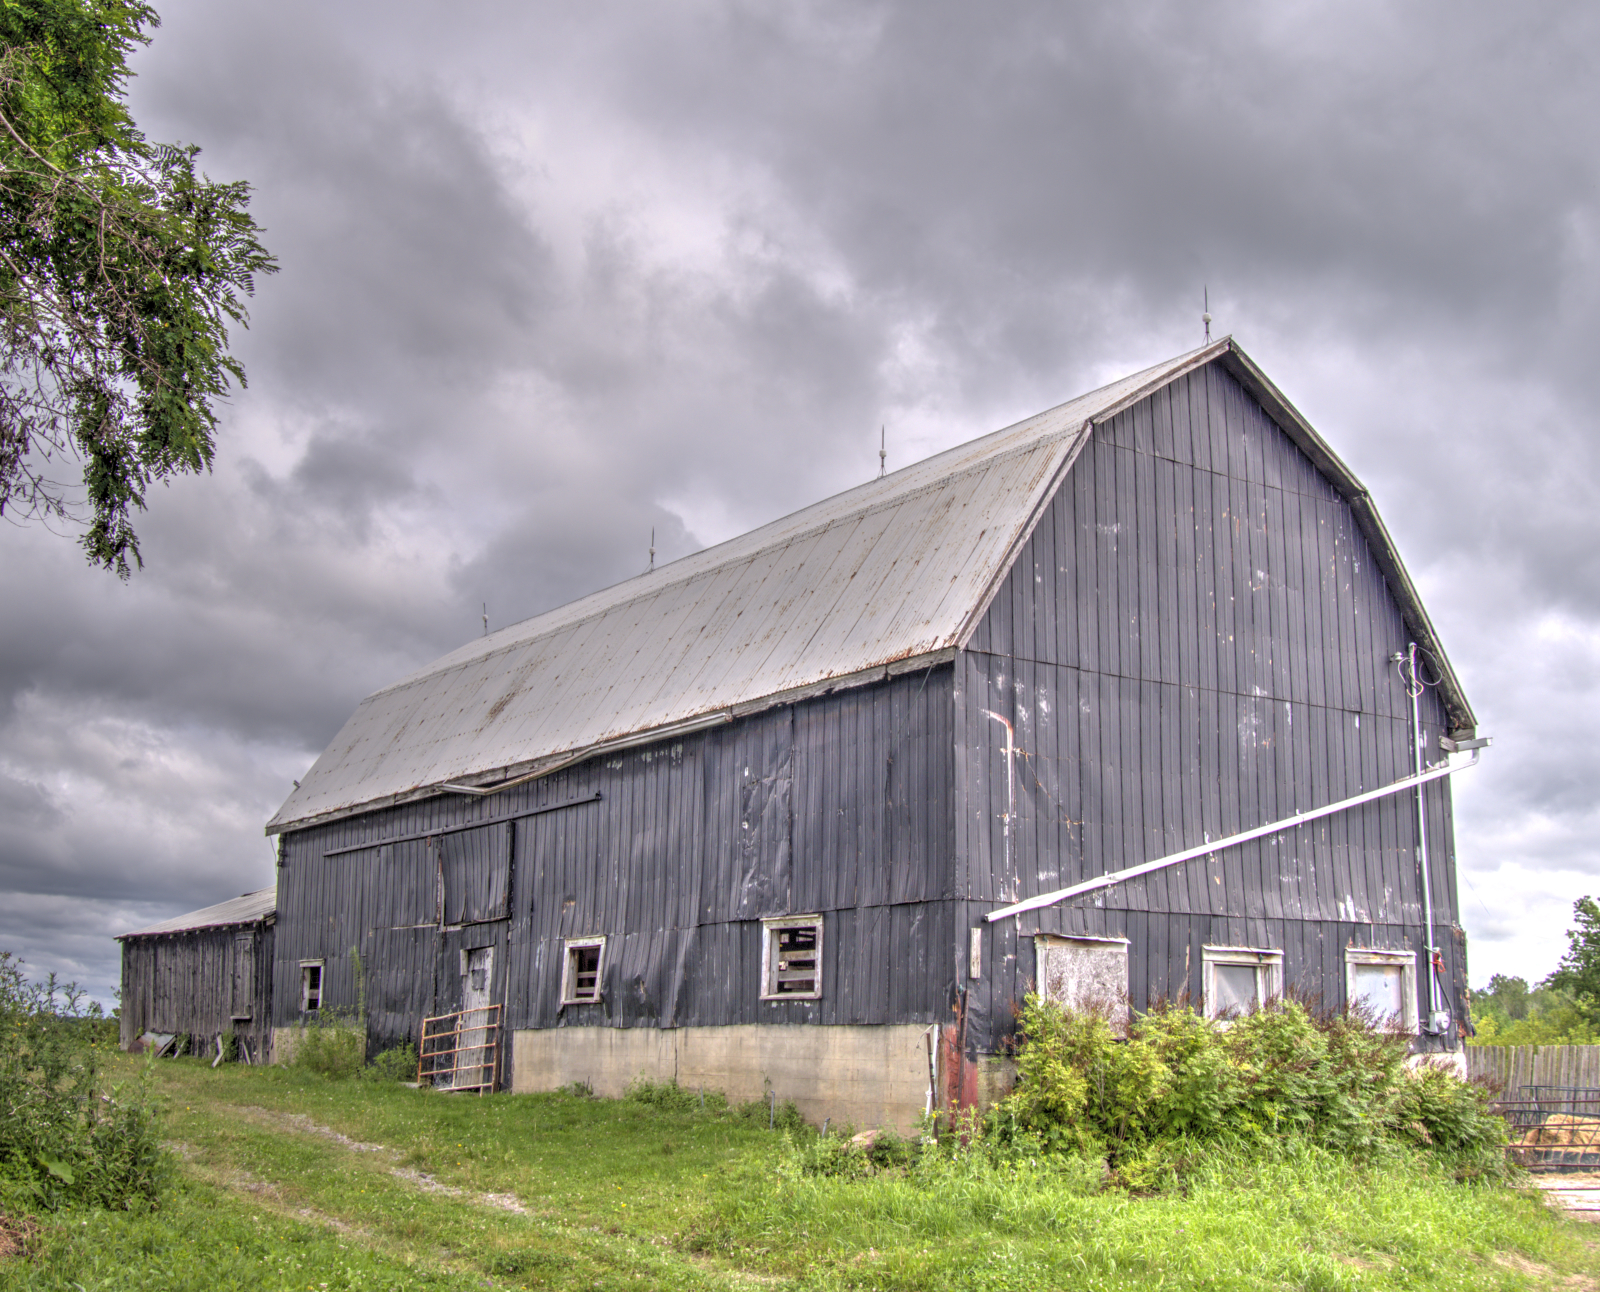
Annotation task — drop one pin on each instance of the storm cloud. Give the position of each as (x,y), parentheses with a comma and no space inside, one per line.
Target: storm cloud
(556,277)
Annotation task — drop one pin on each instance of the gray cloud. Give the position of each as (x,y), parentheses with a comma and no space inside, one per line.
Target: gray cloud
(554,276)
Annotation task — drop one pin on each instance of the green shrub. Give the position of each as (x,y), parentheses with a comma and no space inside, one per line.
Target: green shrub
(830,1156)
(1150,1102)
(332,1045)
(669,1096)
(396,1064)
(1452,1119)
(64,1139)
(783,1116)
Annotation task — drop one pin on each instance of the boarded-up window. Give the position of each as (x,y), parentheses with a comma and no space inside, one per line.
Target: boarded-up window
(1384,982)
(476,868)
(244,974)
(1089,975)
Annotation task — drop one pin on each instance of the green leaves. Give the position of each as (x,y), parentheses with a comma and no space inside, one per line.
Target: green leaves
(56,1167)
(1178,1078)
(64,1139)
(122,268)
(1578,974)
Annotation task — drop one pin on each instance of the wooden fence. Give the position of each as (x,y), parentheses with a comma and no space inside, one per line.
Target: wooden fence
(1514,1066)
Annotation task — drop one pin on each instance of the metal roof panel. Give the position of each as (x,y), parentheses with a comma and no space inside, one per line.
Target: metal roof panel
(893,569)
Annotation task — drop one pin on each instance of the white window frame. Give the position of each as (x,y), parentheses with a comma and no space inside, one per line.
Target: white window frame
(1410,1017)
(569,983)
(770,929)
(1047,944)
(321,966)
(1266,961)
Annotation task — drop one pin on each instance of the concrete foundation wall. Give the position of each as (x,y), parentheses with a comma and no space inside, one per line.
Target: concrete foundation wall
(860,1075)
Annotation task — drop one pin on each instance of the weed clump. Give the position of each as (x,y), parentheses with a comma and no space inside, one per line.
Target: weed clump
(398,1063)
(64,1139)
(333,1045)
(669,1096)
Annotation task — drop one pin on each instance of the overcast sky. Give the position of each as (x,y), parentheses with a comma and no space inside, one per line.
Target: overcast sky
(556,274)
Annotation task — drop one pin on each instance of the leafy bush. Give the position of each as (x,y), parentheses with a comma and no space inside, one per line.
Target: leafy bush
(397,1064)
(1452,1120)
(1179,1081)
(669,1096)
(783,1116)
(64,1139)
(333,1045)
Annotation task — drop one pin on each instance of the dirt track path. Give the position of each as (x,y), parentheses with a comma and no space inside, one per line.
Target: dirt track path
(1577,1195)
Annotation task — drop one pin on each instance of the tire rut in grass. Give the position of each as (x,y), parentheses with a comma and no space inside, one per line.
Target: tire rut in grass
(300,1124)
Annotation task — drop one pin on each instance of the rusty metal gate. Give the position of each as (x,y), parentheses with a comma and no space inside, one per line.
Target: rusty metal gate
(1553,1128)
(461,1051)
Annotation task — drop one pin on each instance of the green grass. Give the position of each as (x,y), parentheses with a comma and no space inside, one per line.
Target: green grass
(623,1194)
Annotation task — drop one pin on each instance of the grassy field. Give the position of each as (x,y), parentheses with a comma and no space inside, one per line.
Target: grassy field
(292,1182)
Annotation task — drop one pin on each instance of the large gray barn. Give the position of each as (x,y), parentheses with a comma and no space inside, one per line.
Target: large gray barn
(757,816)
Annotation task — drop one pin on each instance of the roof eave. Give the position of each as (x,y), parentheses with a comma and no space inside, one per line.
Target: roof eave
(548,764)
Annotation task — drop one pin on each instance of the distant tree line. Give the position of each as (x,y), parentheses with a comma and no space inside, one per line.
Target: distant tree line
(1563,1009)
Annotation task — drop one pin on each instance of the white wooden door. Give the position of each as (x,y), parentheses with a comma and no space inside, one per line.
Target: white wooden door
(474,1037)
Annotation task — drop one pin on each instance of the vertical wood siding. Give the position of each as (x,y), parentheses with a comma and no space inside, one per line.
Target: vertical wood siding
(196,981)
(1194,641)
(839,805)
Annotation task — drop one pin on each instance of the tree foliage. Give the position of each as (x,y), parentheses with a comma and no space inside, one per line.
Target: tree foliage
(1578,974)
(65,1139)
(1564,1009)
(122,268)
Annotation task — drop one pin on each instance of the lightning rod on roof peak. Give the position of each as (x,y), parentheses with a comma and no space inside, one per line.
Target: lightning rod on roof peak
(652,549)
(883,452)
(1205,317)
(485,618)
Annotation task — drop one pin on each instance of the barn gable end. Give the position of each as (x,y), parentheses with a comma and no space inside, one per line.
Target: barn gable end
(1194,640)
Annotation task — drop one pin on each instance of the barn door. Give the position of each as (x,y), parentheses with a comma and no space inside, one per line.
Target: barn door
(475,874)
(400,987)
(244,976)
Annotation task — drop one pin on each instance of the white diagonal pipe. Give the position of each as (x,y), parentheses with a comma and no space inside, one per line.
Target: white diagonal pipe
(1200,850)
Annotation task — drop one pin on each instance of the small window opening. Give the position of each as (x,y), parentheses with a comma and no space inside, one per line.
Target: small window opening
(580,977)
(792,958)
(1238,980)
(1385,982)
(311,986)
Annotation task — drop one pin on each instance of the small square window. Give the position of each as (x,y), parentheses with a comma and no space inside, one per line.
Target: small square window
(310,986)
(1237,980)
(1086,975)
(791,958)
(1386,982)
(581,970)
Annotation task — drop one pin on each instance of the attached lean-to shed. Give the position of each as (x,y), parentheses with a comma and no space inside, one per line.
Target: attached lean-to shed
(1106,703)
(204,974)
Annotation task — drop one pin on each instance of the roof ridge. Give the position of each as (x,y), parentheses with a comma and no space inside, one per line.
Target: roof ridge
(576,611)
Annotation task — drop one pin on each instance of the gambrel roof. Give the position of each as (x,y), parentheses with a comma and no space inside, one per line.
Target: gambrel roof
(891,575)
